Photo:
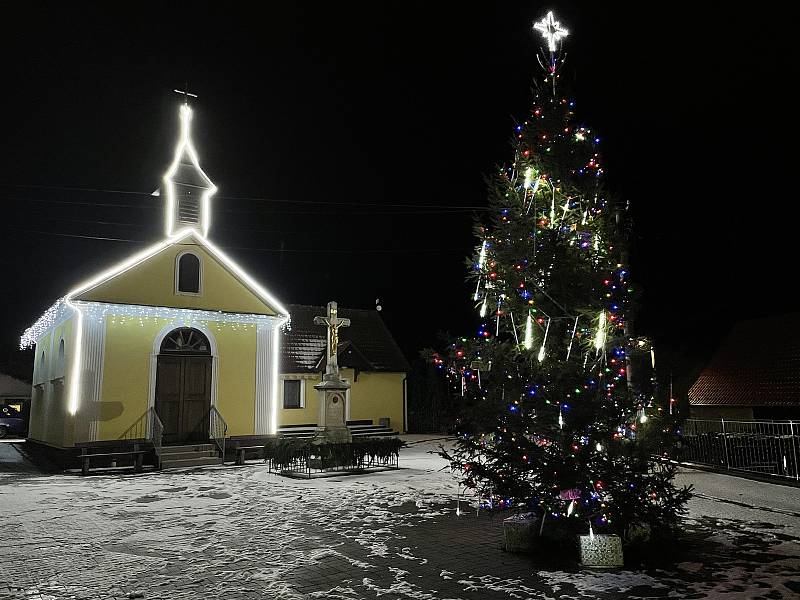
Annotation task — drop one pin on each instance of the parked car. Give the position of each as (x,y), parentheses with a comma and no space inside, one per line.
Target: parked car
(11,422)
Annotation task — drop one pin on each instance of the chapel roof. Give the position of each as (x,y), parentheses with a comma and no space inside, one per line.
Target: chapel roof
(758,364)
(366,345)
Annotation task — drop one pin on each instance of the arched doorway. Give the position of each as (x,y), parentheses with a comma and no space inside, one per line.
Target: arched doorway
(183,386)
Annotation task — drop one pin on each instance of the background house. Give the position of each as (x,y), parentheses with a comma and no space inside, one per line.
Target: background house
(16,393)
(369,359)
(754,374)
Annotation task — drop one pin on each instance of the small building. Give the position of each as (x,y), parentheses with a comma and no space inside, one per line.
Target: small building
(754,374)
(16,394)
(369,360)
(178,329)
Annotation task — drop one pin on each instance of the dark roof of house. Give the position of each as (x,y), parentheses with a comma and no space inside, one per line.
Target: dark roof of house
(365,345)
(758,364)
(11,387)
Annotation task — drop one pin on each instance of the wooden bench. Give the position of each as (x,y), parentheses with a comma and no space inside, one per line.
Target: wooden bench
(136,452)
(242,450)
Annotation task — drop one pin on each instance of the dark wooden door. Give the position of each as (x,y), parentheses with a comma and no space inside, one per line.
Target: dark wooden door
(183,397)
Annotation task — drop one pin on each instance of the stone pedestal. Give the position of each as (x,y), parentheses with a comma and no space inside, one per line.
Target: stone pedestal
(331,423)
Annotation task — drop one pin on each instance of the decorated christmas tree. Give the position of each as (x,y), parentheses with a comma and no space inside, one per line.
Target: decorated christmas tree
(557,416)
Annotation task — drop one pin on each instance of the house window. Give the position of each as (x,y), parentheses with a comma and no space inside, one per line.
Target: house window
(188,277)
(292,393)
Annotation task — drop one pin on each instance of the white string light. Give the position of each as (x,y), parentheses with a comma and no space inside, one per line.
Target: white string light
(600,336)
(528,339)
(185,147)
(544,341)
(481,262)
(572,337)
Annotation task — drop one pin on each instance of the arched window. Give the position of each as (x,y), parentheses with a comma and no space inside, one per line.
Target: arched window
(186,341)
(188,276)
(61,357)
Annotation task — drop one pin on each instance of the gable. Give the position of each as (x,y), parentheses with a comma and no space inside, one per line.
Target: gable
(151,281)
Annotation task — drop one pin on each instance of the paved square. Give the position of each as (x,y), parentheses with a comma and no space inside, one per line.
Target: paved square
(241,532)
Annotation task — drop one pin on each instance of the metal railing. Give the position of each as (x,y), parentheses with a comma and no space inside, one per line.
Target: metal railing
(309,466)
(217,429)
(765,447)
(147,427)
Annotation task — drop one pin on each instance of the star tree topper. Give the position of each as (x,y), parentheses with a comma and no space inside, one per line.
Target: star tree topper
(551,30)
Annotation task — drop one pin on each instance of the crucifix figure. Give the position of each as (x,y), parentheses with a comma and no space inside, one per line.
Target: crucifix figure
(333,323)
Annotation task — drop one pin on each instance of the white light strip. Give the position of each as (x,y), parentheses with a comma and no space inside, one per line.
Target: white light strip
(544,341)
(77,361)
(185,145)
(100,310)
(572,337)
(528,339)
(251,283)
(129,263)
(273,416)
(600,336)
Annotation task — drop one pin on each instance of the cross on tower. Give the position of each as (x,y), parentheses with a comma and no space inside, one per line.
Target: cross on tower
(186,94)
(333,322)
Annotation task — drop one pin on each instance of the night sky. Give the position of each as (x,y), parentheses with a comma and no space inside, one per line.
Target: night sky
(349,145)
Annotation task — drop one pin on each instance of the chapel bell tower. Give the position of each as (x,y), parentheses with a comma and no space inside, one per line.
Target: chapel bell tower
(187,189)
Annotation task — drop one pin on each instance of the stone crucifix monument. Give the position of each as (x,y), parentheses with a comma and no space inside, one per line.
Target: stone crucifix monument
(332,390)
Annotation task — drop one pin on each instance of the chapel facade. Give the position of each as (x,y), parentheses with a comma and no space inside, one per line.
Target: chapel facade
(178,330)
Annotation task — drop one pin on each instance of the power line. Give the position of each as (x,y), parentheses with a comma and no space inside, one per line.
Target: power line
(467,208)
(278,250)
(386,213)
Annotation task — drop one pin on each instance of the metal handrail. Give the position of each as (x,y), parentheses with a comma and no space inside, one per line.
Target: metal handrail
(218,429)
(147,427)
(156,434)
(763,447)
(139,429)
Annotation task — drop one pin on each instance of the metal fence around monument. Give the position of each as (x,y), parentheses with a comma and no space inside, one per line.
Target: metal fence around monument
(763,447)
(312,466)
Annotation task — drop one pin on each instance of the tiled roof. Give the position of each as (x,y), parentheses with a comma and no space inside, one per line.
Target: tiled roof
(366,345)
(11,387)
(758,364)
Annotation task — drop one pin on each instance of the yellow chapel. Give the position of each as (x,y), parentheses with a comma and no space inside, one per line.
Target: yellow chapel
(179,339)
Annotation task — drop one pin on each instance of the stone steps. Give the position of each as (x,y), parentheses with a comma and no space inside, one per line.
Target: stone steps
(191,455)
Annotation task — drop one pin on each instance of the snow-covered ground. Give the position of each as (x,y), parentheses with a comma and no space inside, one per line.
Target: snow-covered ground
(242,533)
